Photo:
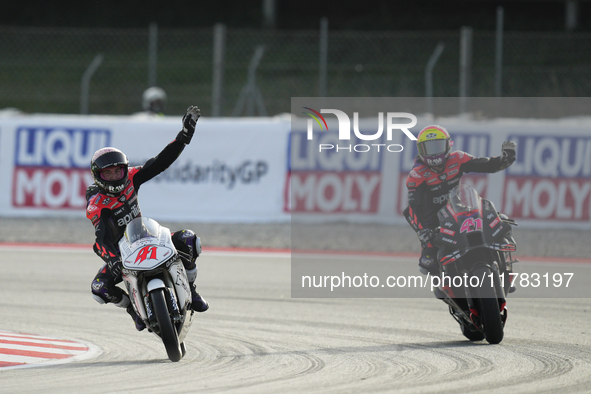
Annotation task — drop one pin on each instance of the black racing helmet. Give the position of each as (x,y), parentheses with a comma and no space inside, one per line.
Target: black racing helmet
(105,158)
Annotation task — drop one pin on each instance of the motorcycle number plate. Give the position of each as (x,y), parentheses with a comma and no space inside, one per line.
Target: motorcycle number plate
(147,257)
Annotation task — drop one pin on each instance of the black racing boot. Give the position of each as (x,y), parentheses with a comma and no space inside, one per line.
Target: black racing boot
(139,323)
(198,303)
(428,261)
(439,294)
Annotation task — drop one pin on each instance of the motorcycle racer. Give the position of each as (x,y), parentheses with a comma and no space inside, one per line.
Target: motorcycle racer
(112,202)
(435,172)
(154,100)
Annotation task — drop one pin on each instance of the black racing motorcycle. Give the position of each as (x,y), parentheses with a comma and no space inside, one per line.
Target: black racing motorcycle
(475,243)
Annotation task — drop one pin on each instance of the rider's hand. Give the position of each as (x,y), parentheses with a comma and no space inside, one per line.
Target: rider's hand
(189,122)
(115,267)
(509,152)
(426,235)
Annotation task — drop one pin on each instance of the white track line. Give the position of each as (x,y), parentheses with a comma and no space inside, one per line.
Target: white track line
(19,350)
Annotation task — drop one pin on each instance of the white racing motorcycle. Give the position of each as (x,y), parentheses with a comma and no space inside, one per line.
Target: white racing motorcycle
(157,283)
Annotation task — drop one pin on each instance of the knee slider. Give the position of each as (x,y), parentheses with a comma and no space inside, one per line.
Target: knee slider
(188,245)
(103,293)
(197,246)
(99,293)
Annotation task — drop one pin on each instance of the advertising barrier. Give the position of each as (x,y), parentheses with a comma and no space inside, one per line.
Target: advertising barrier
(269,170)
(51,165)
(551,179)
(335,179)
(333,182)
(233,170)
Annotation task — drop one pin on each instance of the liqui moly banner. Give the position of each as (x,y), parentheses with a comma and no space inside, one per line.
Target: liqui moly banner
(234,169)
(551,179)
(334,174)
(549,183)
(349,159)
(267,169)
(328,181)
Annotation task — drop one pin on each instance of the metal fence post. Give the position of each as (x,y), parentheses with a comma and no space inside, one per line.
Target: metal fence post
(152,53)
(429,75)
(85,84)
(465,66)
(219,43)
(250,94)
(269,14)
(322,65)
(571,14)
(499,53)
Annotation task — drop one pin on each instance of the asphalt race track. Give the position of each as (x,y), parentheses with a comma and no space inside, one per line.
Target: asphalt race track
(257,339)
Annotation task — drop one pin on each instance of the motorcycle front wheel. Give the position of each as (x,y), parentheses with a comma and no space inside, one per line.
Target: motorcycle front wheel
(168,332)
(490,312)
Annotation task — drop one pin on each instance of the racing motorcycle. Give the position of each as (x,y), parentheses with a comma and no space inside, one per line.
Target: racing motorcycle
(157,283)
(475,244)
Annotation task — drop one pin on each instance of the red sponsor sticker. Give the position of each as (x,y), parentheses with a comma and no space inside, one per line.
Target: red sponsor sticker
(448,231)
(494,223)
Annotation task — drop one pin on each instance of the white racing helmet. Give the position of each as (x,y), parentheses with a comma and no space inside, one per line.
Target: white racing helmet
(154,100)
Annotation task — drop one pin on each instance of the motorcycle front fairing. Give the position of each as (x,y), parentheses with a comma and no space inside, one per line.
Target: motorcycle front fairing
(147,252)
(467,222)
(145,245)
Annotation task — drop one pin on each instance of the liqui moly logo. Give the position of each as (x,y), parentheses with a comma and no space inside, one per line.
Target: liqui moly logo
(551,178)
(51,165)
(394,121)
(328,181)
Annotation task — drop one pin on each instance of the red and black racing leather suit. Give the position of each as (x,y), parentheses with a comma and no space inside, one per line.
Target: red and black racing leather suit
(111,213)
(427,189)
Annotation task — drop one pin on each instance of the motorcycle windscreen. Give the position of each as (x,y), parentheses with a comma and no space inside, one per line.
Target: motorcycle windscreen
(140,228)
(464,199)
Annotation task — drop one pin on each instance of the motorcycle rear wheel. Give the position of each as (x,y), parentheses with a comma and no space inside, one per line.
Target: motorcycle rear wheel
(168,332)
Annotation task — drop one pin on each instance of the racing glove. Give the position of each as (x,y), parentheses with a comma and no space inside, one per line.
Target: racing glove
(115,267)
(509,153)
(189,123)
(425,236)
